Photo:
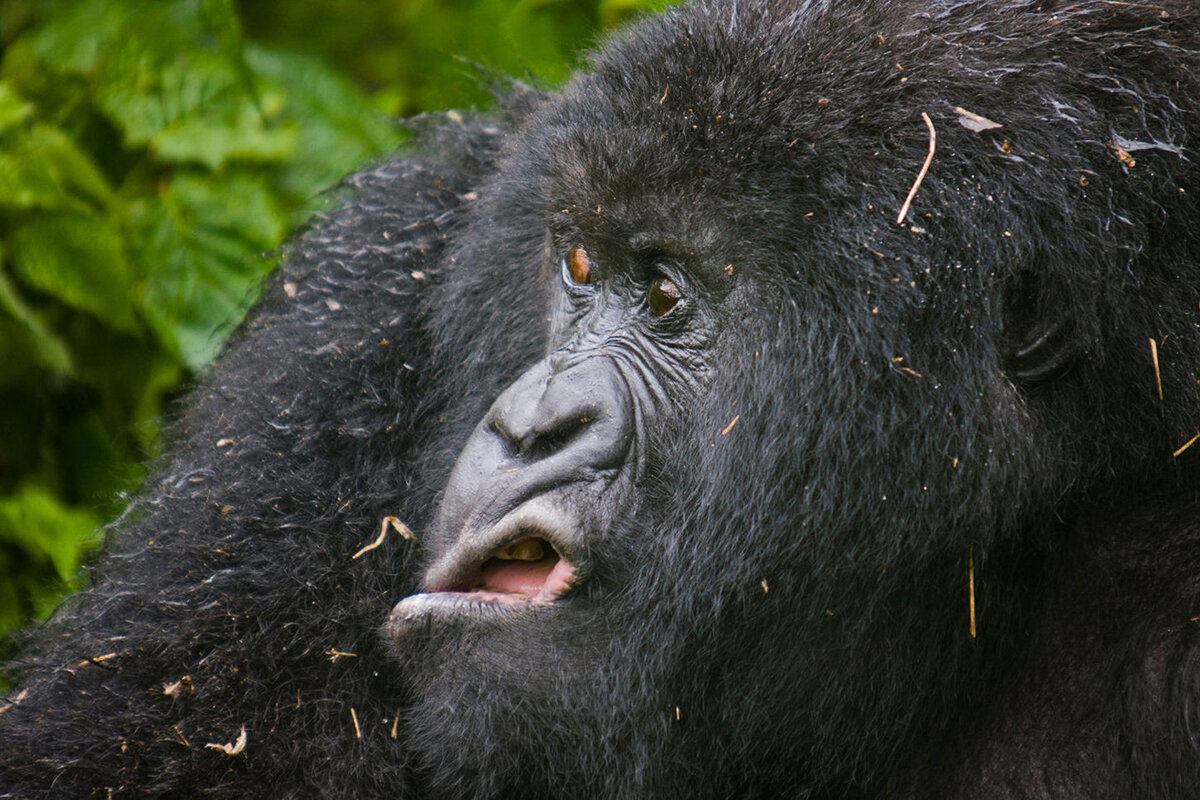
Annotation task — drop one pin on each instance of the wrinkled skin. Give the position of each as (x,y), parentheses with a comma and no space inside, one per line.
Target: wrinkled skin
(724,482)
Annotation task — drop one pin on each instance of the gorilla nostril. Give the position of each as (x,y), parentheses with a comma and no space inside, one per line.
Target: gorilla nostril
(538,438)
(557,437)
(583,410)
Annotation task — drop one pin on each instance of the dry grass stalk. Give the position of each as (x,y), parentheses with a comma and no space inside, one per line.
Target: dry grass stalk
(971,583)
(392,522)
(1189,443)
(95,660)
(1157,373)
(924,169)
(1129,161)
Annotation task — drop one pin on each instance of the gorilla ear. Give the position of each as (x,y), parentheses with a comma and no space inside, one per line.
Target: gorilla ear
(1037,342)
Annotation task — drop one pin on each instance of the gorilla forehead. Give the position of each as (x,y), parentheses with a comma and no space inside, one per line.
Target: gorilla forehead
(666,131)
(791,107)
(741,129)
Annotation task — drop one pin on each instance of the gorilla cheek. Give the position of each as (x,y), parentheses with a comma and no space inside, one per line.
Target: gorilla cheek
(544,472)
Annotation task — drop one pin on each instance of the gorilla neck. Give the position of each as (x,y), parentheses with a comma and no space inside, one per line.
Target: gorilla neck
(1122,620)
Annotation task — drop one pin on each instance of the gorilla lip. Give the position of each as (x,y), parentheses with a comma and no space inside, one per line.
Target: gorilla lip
(529,567)
(527,571)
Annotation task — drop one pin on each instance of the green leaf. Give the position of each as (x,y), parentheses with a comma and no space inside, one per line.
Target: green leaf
(214,142)
(338,128)
(27,181)
(13,109)
(45,347)
(203,250)
(43,168)
(46,529)
(80,260)
(74,39)
(72,169)
(237,210)
(193,106)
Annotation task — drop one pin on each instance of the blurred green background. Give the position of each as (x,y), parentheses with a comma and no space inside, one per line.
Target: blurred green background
(152,153)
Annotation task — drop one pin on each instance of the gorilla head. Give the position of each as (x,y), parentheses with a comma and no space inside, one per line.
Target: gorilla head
(731,513)
(730,478)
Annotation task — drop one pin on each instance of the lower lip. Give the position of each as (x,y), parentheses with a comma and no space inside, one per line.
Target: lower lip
(482,603)
(431,607)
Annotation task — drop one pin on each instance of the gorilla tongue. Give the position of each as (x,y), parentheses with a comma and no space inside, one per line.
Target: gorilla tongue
(529,568)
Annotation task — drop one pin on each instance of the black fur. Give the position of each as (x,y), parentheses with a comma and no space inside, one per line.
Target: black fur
(873,416)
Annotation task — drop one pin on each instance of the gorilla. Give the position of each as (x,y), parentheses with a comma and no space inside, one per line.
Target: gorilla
(801,403)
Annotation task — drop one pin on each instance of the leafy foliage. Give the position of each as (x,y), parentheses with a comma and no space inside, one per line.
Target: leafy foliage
(152,155)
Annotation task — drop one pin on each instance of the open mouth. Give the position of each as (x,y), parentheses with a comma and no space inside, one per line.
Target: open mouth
(529,569)
(525,572)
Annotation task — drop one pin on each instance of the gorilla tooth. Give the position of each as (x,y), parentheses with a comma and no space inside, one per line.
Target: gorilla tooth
(524,550)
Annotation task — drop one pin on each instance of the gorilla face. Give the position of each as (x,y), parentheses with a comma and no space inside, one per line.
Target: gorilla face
(546,527)
(562,561)
(553,462)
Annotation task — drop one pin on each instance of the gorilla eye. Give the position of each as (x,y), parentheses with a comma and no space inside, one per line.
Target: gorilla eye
(663,295)
(579,266)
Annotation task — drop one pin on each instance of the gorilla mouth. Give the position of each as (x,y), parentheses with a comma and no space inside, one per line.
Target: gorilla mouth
(526,572)
(528,569)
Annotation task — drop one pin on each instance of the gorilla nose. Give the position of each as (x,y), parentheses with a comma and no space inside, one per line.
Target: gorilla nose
(561,430)
(579,414)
